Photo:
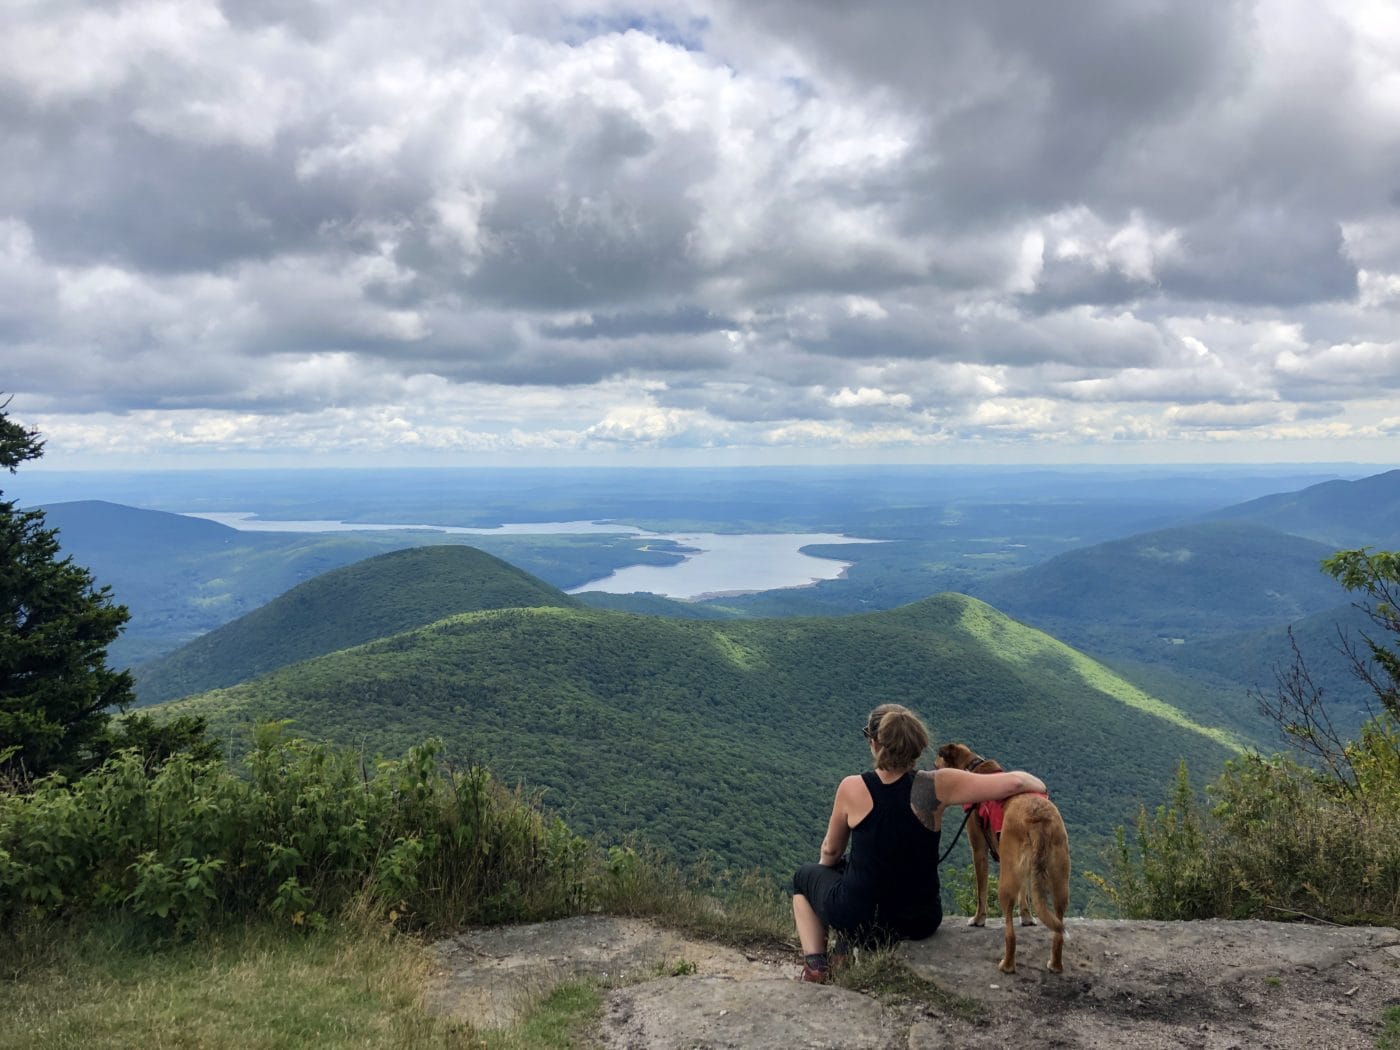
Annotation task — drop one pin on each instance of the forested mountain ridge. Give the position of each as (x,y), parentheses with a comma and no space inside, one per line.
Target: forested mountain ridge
(114,530)
(1198,614)
(1170,587)
(647,604)
(728,737)
(1361,513)
(357,603)
(1256,658)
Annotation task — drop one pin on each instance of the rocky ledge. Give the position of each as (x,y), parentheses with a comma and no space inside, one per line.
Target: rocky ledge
(1213,984)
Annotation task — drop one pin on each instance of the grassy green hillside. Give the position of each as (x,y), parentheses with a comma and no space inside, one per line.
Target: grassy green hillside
(730,736)
(1362,513)
(379,596)
(1196,614)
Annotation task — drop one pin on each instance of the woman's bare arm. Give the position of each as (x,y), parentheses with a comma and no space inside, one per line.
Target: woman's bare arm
(957,787)
(838,828)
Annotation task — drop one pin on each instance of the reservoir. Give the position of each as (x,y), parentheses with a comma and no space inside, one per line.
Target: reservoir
(715,563)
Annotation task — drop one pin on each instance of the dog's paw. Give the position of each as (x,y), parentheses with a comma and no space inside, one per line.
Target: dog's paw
(1026,920)
(977,920)
(1054,967)
(1006,967)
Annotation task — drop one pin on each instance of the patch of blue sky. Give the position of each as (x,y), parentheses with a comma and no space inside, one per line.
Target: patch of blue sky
(689,35)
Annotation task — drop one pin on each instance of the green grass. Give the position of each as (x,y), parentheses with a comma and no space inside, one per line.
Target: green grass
(254,988)
(352,985)
(246,988)
(1390,1035)
(560,1021)
(881,975)
(746,911)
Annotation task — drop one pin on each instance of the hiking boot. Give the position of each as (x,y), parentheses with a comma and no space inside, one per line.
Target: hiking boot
(812,975)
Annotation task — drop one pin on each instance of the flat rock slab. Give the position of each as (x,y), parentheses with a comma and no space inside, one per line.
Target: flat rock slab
(485,976)
(1205,984)
(1212,985)
(724,1013)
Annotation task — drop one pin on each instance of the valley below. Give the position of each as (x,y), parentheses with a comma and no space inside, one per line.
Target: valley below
(524,627)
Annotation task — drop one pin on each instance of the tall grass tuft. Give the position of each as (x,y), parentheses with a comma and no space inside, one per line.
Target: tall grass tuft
(745,908)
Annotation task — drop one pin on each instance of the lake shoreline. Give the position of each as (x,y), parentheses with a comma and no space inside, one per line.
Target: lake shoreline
(715,595)
(713,565)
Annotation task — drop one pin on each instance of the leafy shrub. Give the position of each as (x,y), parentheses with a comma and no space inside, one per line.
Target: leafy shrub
(309,832)
(1277,840)
(1282,838)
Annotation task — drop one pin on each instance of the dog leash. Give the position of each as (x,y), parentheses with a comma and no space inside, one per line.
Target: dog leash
(949,850)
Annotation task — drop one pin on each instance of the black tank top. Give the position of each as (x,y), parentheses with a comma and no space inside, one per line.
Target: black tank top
(893,865)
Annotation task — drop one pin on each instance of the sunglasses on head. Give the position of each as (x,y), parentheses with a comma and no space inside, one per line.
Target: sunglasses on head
(865,732)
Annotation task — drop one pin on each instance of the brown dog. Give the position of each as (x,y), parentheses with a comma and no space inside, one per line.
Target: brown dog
(1034,859)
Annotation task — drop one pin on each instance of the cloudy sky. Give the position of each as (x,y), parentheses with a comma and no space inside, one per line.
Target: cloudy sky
(311,232)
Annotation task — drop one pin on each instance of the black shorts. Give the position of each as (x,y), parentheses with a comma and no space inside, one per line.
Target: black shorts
(859,921)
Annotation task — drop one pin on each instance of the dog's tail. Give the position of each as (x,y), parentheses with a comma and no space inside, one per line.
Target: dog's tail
(1049,862)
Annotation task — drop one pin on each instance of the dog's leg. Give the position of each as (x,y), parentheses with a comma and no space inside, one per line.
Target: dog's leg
(1023,901)
(1057,944)
(1057,871)
(978,844)
(1027,910)
(1008,891)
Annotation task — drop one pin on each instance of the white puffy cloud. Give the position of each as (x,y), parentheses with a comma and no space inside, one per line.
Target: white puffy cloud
(638,425)
(867,397)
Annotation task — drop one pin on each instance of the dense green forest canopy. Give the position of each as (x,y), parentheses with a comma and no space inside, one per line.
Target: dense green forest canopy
(729,737)
(379,596)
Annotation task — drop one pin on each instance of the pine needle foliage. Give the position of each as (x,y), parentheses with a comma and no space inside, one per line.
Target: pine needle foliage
(55,625)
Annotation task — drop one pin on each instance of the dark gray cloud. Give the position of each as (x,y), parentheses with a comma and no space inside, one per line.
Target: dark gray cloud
(1025,106)
(1262,257)
(1066,283)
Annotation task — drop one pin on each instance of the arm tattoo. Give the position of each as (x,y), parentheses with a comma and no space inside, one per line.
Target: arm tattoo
(924,801)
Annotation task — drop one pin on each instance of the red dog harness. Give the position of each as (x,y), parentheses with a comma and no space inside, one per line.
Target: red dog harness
(991,815)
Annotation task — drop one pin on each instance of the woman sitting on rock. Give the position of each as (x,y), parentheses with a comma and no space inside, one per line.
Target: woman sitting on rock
(887,888)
